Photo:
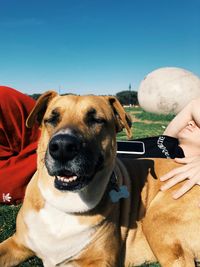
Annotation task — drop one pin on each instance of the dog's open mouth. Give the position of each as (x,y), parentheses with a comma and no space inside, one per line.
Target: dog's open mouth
(70,182)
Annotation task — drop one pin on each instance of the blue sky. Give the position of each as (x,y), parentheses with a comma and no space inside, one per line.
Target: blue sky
(95,46)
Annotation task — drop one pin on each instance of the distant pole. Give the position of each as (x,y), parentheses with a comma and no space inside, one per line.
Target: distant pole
(129,94)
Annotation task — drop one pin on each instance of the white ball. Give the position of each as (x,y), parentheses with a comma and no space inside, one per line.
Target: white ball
(168,90)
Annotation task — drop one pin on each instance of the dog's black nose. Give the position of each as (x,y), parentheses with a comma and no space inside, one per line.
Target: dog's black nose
(64,147)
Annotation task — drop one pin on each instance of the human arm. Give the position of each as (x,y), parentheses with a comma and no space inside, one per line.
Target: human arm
(188,113)
(190,171)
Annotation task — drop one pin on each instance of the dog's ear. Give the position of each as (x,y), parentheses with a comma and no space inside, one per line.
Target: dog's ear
(39,109)
(123,120)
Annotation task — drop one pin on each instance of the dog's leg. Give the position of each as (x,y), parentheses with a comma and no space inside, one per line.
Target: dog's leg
(172,254)
(12,253)
(165,238)
(172,260)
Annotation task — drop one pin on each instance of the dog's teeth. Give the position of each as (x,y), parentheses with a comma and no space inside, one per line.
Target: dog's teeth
(67,180)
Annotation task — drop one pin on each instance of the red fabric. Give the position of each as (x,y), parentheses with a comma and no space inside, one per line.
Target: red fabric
(17,145)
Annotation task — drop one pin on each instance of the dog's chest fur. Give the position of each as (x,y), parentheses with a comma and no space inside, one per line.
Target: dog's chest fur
(56,236)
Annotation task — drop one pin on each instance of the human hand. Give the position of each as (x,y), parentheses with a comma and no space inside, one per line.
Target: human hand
(190,171)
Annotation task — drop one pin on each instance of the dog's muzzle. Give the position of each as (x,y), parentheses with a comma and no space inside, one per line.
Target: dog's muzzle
(72,161)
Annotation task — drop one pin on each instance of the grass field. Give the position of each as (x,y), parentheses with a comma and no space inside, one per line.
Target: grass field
(144,125)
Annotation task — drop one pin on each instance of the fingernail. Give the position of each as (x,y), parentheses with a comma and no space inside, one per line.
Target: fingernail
(175,196)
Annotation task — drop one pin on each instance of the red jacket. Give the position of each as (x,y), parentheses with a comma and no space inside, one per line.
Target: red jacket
(17,145)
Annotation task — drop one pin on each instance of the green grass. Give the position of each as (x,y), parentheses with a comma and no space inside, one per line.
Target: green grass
(141,129)
(143,115)
(147,124)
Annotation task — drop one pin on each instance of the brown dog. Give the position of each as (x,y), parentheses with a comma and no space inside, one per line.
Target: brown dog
(84,208)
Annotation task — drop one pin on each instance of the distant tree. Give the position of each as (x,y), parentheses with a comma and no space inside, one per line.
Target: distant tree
(35,96)
(127,97)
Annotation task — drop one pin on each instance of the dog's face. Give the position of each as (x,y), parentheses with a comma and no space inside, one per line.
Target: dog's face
(78,138)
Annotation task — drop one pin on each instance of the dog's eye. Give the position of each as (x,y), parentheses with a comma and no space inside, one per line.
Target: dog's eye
(98,120)
(53,119)
(93,118)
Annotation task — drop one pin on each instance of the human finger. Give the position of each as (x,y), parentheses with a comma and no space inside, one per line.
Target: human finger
(185,188)
(174,172)
(176,179)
